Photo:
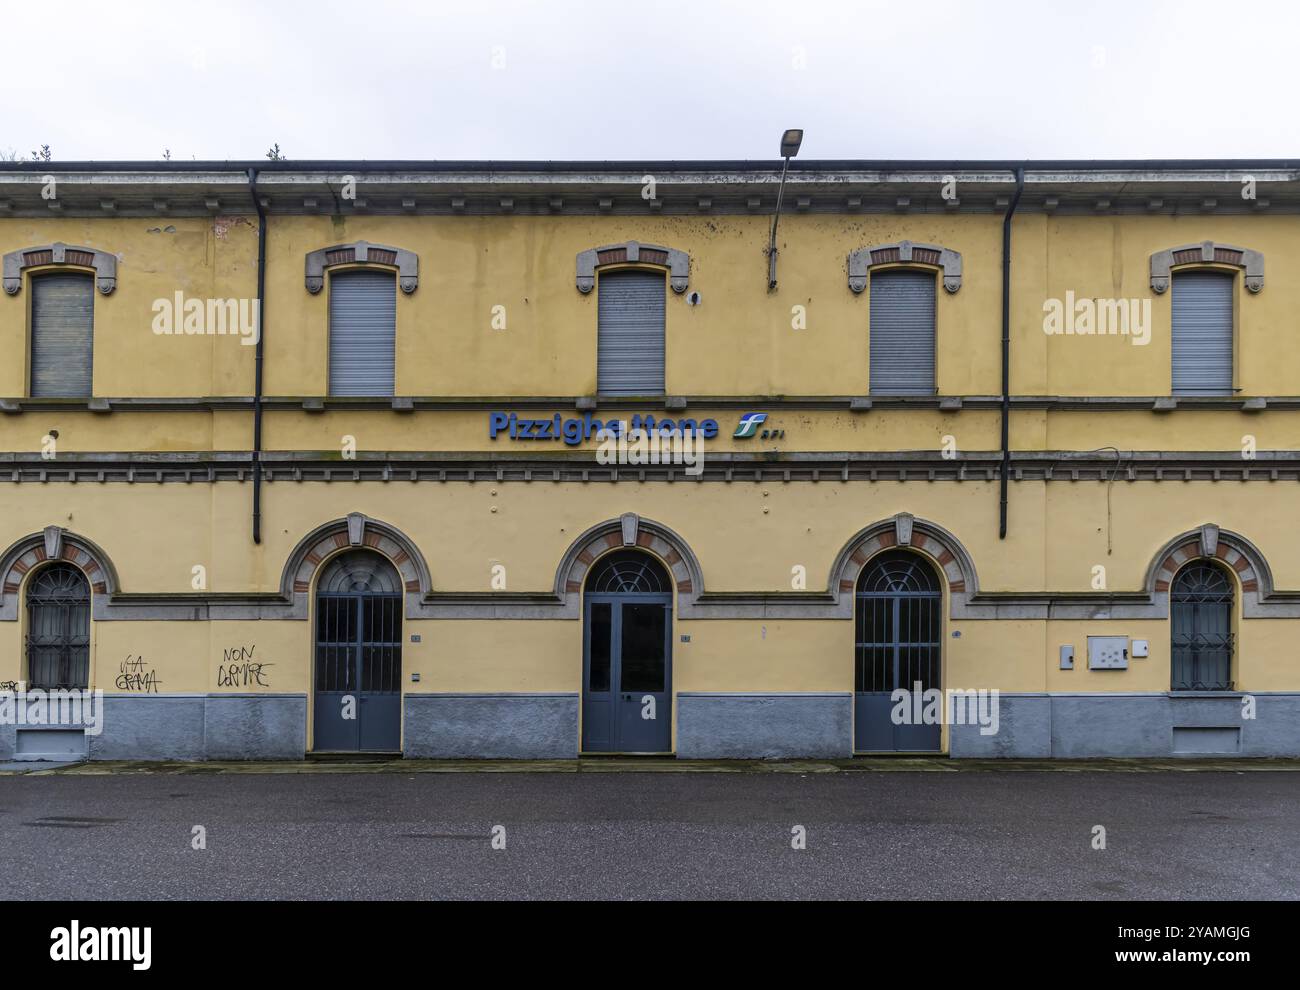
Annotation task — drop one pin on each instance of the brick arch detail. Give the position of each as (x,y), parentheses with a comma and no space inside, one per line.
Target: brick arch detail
(907,532)
(1211,543)
(629,531)
(356,531)
(53,544)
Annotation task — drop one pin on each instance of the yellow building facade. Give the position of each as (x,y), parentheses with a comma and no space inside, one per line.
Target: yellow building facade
(318,457)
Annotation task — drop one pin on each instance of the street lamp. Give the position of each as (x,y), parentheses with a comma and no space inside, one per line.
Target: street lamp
(790,142)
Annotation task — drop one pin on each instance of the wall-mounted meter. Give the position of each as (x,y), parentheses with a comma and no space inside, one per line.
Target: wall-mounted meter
(1108,653)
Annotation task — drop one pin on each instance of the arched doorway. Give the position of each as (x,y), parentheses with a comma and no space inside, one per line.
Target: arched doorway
(358,679)
(1200,608)
(58,628)
(627,655)
(898,621)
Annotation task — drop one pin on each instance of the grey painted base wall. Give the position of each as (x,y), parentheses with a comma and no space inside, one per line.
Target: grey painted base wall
(189,727)
(491,726)
(764,726)
(709,726)
(1077,726)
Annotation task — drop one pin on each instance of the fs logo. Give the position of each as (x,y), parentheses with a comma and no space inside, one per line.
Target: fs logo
(749,424)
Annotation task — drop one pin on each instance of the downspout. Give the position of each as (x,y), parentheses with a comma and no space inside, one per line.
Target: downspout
(1006,354)
(260,350)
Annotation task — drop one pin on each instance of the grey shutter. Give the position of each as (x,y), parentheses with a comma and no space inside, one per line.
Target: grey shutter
(63,319)
(363,332)
(630,341)
(902,333)
(1202,333)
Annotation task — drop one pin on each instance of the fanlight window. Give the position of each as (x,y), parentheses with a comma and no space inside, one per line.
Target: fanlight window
(360,571)
(628,571)
(898,573)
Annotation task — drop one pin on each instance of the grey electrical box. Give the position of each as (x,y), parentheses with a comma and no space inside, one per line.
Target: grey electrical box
(1067,657)
(1108,653)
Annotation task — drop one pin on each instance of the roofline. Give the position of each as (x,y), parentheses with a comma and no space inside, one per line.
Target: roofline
(689,165)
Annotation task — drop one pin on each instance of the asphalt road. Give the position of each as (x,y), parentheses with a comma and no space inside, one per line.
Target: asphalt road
(982,835)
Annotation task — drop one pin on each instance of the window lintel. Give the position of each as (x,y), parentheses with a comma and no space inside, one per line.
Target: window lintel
(406,262)
(58,253)
(677,262)
(1207,253)
(907,253)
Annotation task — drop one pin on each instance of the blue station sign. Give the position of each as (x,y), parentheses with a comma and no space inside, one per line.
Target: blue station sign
(574,430)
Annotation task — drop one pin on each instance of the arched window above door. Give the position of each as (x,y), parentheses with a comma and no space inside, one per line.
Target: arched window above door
(628,572)
(360,571)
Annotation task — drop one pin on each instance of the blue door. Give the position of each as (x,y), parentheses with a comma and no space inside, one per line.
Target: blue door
(358,677)
(627,656)
(898,621)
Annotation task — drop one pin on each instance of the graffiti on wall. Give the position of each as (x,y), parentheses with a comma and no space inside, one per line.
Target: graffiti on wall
(133,675)
(240,668)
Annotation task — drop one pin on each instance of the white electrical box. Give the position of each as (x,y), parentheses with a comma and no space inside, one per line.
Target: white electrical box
(1108,653)
(1141,648)
(1067,657)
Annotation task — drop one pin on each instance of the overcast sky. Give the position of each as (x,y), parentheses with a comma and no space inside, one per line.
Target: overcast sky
(659,79)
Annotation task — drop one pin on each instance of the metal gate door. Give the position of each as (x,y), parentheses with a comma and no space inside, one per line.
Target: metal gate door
(899,618)
(627,657)
(1200,603)
(358,704)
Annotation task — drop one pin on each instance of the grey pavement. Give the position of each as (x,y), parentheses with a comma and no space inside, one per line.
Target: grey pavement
(87,834)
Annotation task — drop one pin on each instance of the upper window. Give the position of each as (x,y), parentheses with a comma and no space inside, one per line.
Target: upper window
(902,344)
(62,347)
(62,279)
(1202,333)
(902,332)
(363,311)
(630,340)
(363,332)
(58,628)
(630,312)
(1203,325)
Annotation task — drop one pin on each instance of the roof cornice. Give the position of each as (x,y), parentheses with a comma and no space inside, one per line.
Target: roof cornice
(676,187)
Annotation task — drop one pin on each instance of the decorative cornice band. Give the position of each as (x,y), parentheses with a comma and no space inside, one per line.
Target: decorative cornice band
(677,262)
(16,262)
(584,467)
(908,253)
(1207,253)
(406,262)
(15,405)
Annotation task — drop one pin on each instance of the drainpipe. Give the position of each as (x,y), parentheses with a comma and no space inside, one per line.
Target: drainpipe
(1006,354)
(260,350)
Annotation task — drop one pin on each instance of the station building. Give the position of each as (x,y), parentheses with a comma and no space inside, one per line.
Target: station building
(313,458)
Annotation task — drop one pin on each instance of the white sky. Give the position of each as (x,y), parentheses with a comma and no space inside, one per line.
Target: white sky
(657,79)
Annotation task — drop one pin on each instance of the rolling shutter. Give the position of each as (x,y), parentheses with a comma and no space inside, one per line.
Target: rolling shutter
(630,344)
(63,316)
(1202,334)
(363,332)
(902,333)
